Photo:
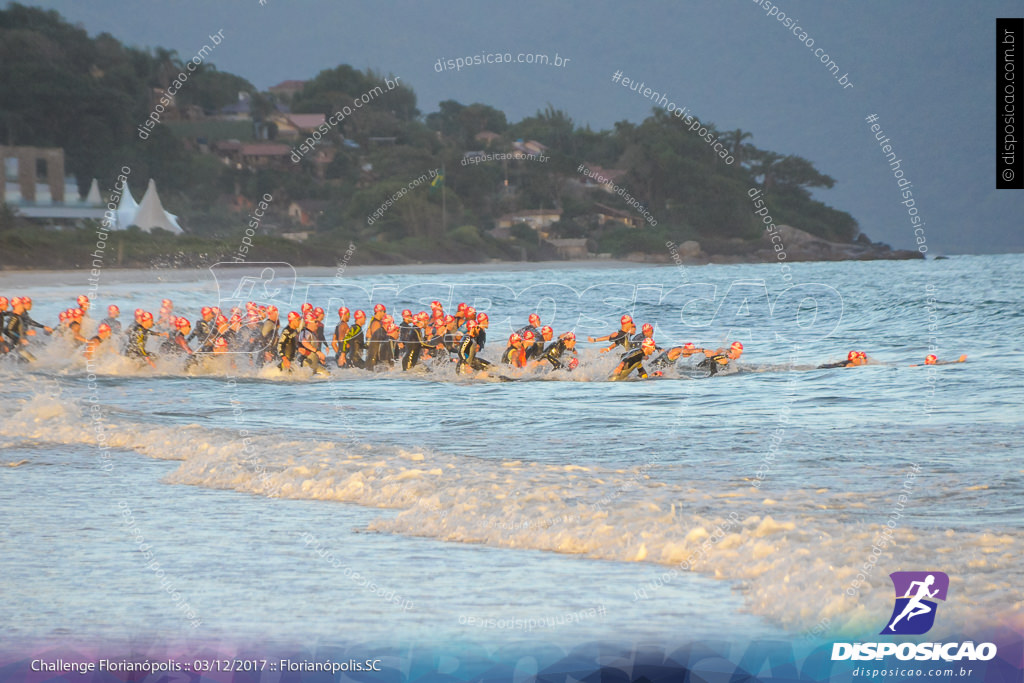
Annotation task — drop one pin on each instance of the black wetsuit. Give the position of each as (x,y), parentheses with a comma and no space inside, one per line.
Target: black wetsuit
(308,338)
(510,355)
(632,360)
(662,361)
(17,325)
(379,348)
(467,353)
(265,341)
(553,354)
(287,345)
(203,332)
(536,349)
(114,324)
(353,344)
(714,364)
(620,338)
(414,343)
(840,364)
(135,344)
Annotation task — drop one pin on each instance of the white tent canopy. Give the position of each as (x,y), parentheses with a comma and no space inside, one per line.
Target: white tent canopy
(94,198)
(147,214)
(126,209)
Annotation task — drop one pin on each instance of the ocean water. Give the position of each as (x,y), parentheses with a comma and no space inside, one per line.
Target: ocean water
(234,506)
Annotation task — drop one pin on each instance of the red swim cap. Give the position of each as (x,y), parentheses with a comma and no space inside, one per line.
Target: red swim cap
(360,315)
(82,299)
(103,328)
(514,338)
(648,344)
(625,319)
(534,319)
(931,359)
(569,336)
(436,304)
(318,312)
(182,323)
(406,314)
(647,328)
(482,318)
(113,311)
(379,308)
(737,346)
(528,337)
(293,316)
(306,307)
(546,331)
(343,312)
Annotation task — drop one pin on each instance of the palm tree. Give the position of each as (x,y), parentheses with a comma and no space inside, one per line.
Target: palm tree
(764,165)
(734,139)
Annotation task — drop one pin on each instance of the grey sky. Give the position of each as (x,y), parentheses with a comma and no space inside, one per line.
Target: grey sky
(927,69)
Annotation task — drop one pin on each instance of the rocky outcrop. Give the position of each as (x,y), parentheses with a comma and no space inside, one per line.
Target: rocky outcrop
(800,245)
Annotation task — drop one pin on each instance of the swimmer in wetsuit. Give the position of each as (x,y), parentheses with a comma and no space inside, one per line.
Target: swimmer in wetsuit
(932,359)
(309,345)
(354,343)
(203,331)
(853,359)
(719,358)
(416,342)
(288,342)
(19,326)
(138,335)
(265,341)
(177,344)
(532,326)
(515,353)
(633,360)
(553,354)
(378,344)
(467,350)
(93,346)
(620,337)
(540,338)
(669,357)
(338,336)
(111,320)
(4,346)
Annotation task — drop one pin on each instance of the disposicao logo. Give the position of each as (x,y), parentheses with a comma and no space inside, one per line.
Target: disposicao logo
(913,614)
(914,611)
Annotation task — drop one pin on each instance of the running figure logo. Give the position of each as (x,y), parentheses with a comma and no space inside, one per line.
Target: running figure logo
(916,593)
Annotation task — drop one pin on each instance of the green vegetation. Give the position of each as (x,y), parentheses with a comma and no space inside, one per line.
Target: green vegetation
(61,88)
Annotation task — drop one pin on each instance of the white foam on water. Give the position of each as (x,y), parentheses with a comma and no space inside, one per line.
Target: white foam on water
(793,556)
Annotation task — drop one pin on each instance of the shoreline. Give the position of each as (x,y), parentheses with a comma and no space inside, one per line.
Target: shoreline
(29,276)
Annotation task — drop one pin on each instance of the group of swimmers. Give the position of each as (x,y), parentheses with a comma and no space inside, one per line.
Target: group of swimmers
(256,335)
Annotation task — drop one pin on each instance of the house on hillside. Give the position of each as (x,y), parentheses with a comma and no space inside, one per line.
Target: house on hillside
(538,219)
(295,126)
(306,212)
(605,215)
(286,89)
(253,155)
(529,147)
(486,137)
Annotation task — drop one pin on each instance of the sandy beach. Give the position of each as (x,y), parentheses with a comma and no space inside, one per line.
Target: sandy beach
(26,279)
